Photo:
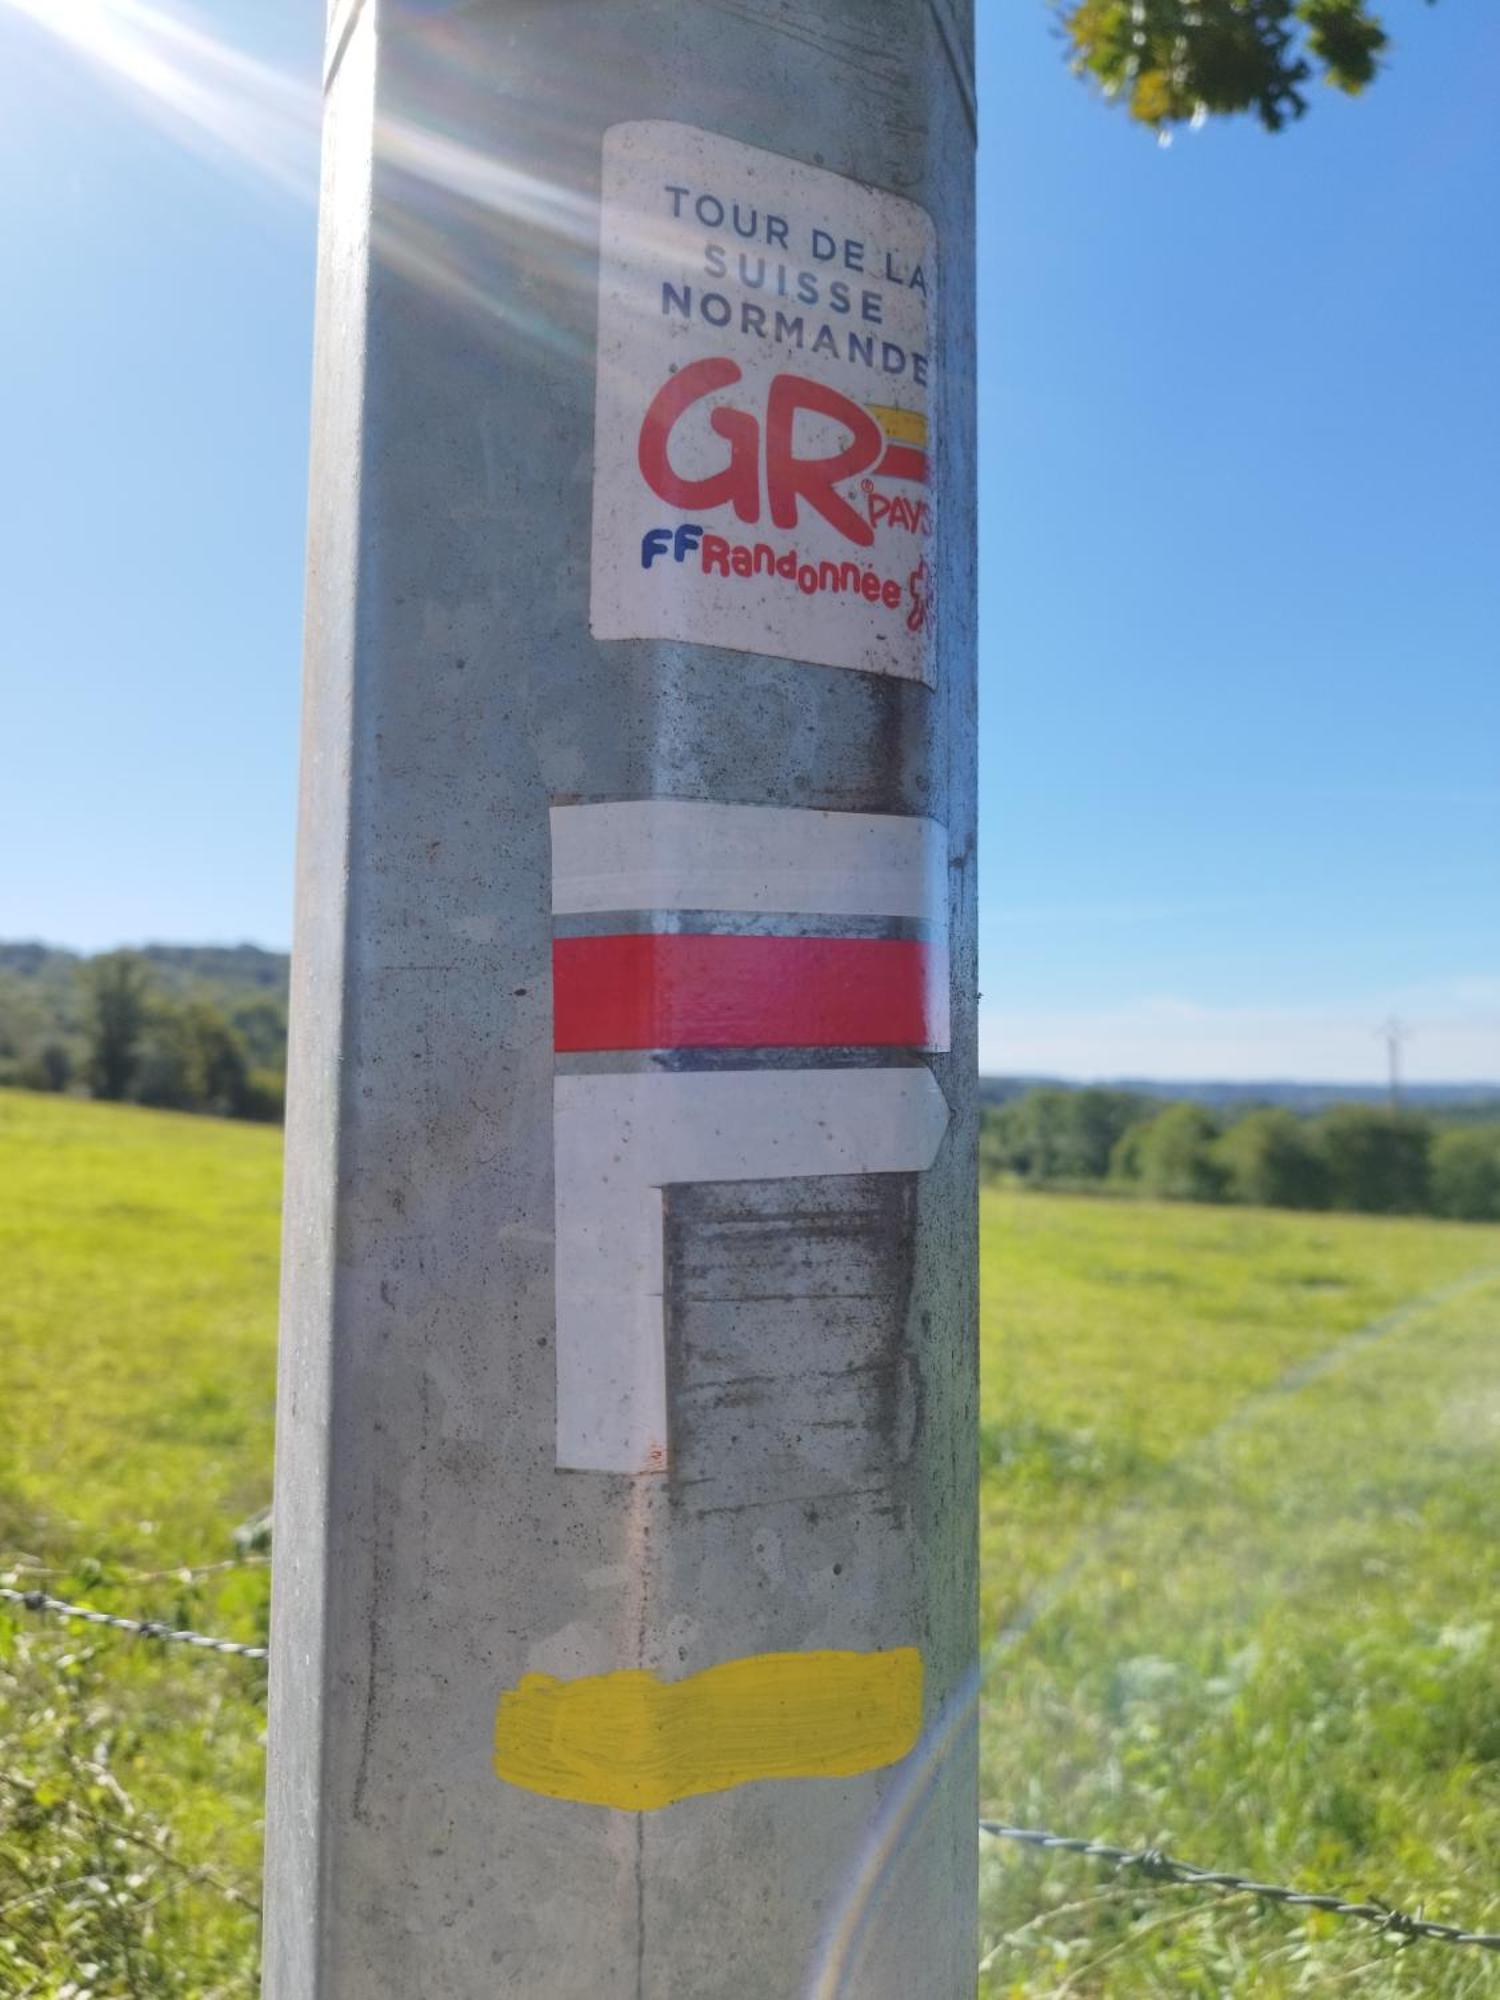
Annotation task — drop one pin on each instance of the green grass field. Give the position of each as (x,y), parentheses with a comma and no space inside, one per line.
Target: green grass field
(1242,1566)
(137,1329)
(1242,1546)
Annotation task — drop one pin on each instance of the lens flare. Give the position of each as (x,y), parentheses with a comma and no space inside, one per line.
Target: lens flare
(213,98)
(850,1934)
(462,208)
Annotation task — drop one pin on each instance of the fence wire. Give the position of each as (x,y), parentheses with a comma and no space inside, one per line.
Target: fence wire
(1148,1862)
(143,1628)
(1158,1867)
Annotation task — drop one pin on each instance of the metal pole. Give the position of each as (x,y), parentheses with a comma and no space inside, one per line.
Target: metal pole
(1394,1034)
(624,1622)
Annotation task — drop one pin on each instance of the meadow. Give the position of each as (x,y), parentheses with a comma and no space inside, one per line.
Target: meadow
(1241,1549)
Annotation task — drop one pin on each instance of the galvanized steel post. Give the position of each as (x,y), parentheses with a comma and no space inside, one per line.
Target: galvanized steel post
(624,1625)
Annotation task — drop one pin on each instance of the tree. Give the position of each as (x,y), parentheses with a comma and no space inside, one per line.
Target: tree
(50,1068)
(264,1097)
(1271,1160)
(1176,1155)
(1466,1174)
(1058,1135)
(24,1035)
(192,1060)
(116,990)
(1098,1121)
(1176,61)
(1125,1160)
(1377,1160)
(1026,1137)
(218,1072)
(260,1024)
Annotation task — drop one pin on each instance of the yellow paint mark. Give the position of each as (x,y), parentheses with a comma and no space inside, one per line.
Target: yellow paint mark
(636,1742)
(900,426)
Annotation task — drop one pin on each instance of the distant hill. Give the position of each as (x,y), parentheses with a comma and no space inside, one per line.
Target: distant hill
(1464,1099)
(41,1002)
(177,966)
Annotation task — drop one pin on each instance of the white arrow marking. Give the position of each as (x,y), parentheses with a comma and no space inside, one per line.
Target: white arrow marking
(619,1141)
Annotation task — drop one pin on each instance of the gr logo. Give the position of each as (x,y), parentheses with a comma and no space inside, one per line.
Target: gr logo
(792,479)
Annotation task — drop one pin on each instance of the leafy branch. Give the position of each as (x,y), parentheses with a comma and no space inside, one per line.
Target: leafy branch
(1176,62)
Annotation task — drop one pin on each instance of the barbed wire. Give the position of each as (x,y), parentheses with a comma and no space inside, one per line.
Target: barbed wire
(108,1573)
(1150,1862)
(1159,1867)
(143,1628)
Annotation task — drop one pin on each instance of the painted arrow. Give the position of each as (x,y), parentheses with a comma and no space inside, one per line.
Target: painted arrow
(621,1139)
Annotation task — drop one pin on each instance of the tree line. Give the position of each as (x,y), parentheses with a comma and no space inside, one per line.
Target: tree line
(126,1030)
(1355,1156)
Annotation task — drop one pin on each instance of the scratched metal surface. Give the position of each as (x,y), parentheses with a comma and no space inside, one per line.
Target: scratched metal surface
(821,1335)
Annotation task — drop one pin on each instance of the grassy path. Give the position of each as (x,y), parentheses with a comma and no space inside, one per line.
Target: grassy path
(1115,1335)
(1274,1645)
(1122,1523)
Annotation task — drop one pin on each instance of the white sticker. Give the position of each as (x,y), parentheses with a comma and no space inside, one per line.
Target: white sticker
(831,964)
(619,1141)
(762,430)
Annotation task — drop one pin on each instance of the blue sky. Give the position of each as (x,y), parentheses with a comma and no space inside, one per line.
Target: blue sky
(1241,523)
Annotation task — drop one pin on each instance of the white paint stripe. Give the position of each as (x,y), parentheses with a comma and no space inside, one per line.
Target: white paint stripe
(619,1140)
(679,854)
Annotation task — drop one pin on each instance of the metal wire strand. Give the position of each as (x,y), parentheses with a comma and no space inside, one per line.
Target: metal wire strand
(143,1628)
(1159,1867)
(1150,1862)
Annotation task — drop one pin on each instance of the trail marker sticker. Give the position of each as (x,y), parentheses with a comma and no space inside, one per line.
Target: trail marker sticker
(686,925)
(762,429)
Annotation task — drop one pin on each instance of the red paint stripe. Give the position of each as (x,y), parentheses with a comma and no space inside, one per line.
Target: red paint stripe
(903,461)
(691,991)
